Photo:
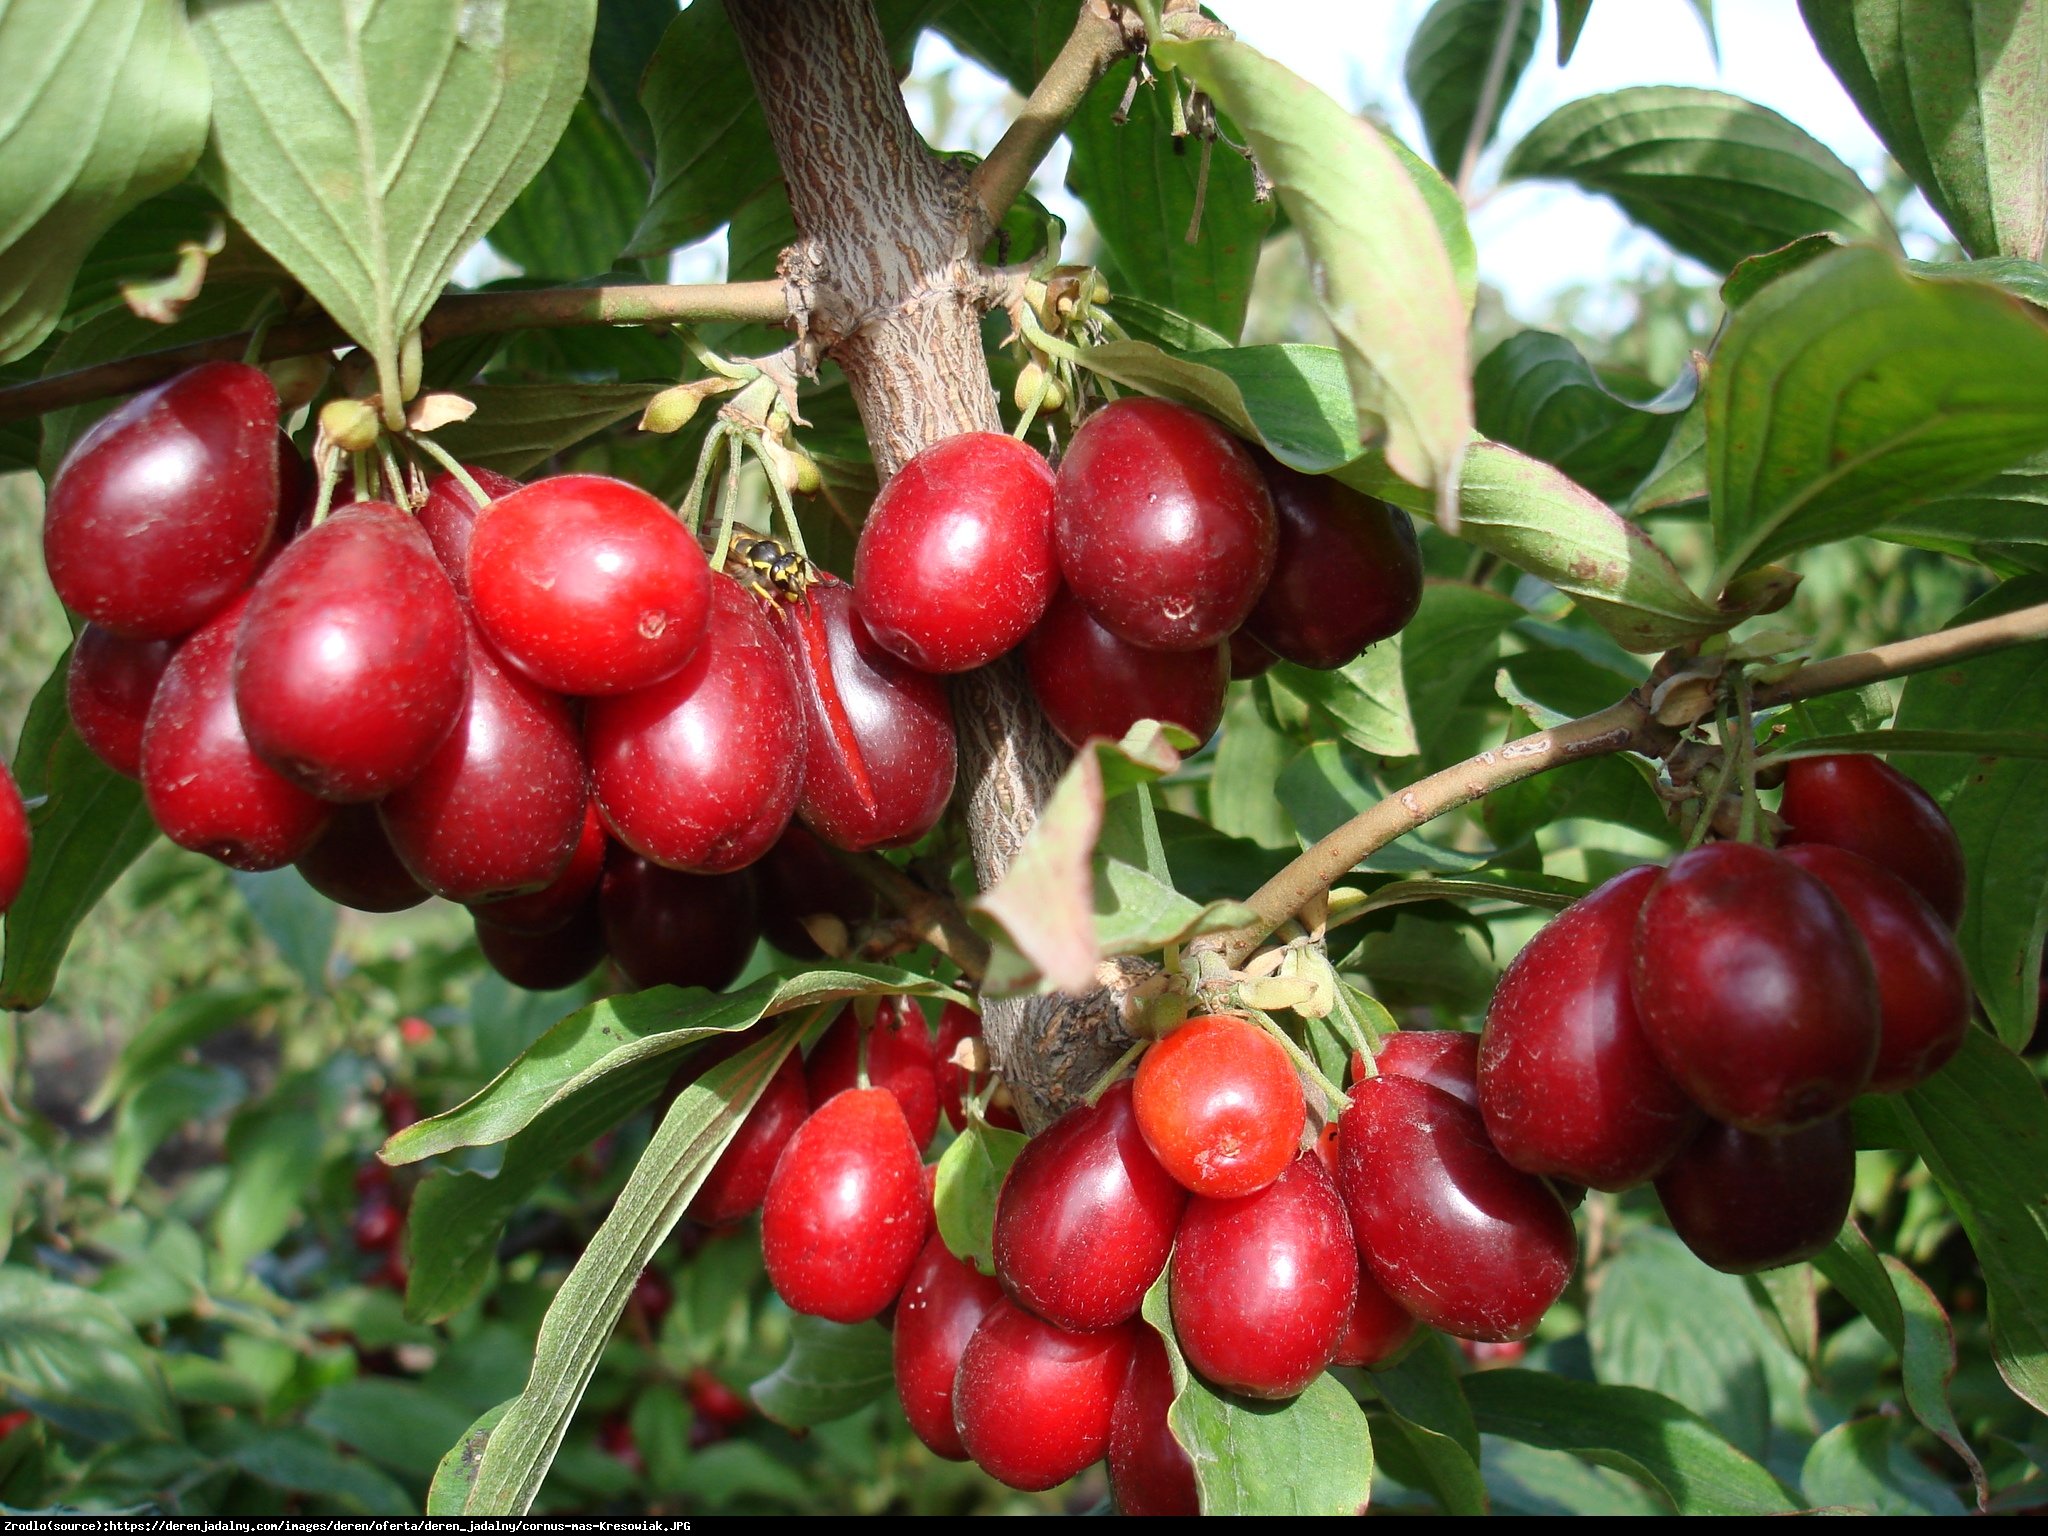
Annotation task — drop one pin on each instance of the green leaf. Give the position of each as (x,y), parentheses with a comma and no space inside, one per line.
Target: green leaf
(575,217)
(1386,281)
(1367,697)
(106,105)
(517,426)
(1166,328)
(1998,806)
(168,1102)
(455,1475)
(1426,1405)
(174,1029)
(411,127)
(68,1356)
(1015,39)
(1537,393)
(970,1176)
(1668,1448)
(273,1151)
(1717,177)
(1959,96)
(1328,784)
(1848,391)
(294,1461)
(1995,522)
(1249,756)
(296,918)
(1454,637)
(1863,1466)
(832,1369)
(397,1424)
(1571,21)
(1449,58)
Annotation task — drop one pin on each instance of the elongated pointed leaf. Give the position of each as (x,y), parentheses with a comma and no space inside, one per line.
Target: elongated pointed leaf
(1537,393)
(1447,63)
(832,1369)
(1425,1402)
(68,1356)
(970,1177)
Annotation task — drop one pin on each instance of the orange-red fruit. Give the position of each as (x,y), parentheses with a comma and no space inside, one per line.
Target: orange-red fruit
(846,1211)
(1865,805)
(1149,1471)
(14,840)
(1033,1401)
(943,1302)
(738,1181)
(899,1059)
(1220,1106)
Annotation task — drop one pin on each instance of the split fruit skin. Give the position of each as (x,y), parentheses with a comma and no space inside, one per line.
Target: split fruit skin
(108,688)
(1092,683)
(899,1058)
(943,1302)
(354,865)
(1220,1106)
(955,561)
(1347,573)
(1744,1202)
(14,839)
(1862,803)
(1149,1471)
(665,928)
(1033,1401)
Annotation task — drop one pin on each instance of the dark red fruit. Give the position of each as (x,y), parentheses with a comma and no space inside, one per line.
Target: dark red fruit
(108,688)
(1163,524)
(449,517)
(1220,1106)
(1568,1082)
(955,562)
(1443,1058)
(943,1302)
(738,1181)
(204,785)
(161,512)
(616,1439)
(589,585)
(1090,683)
(800,877)
(1264,1285)
(1248,658)
(701,770)
(499,808)
(1755,989)
(400,1109)
(878,748)
(354,865)
(1865,805)
(1086,1217)
(1033,1401)
(957,1083)
(350,668)
(651,1296)
(1744,1202)
(1923,987)
(846,1211)
(378,1225)
(14,839)
(669,929)
(1149,1471)
(1348,571)
(714,1401)
(899,1058)
(545,910)
(1448,1229)
(545,962)
(1380,1327)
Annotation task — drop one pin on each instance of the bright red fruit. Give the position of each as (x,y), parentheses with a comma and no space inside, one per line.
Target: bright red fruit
(846,1211)
(14,839)
(879,756)
(1033,1401)
(701,771)
(1568,1082)
(545,910)
(1164,526)
(956,1083)
(589,585)
(1220,1106)
(1443,1058)
(664,928)
(202,782)
(955,562)
(449,517)
(1149,1471)
(1379,1329)
(899,1048)
(1865,805)
(1348,571)
(1086,1217)
(1755,989)
(108,688)
(943,1302)
(1744,1202)
(354,864)
(1264,1285)
(350,667)
(738,1181)
(500,806)
(545,962)
(1923,987)
(162,511)
(1090,683)
(801,877)
(1448,1229)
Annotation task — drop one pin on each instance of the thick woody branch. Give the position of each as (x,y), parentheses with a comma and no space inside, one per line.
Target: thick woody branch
(463,314)
(1098,40)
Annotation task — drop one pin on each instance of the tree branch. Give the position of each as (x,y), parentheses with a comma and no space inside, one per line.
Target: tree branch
(1489,96)
(463,314)
(934,918)
(1097,41)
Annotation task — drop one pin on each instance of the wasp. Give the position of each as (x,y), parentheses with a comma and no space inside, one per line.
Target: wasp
(771,569)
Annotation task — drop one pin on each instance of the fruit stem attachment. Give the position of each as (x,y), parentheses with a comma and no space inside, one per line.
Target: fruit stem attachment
(449,462)
(1304,1064)
(934,919)
(1115,1070)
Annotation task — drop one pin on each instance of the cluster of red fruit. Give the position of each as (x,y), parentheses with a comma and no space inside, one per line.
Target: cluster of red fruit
(378,1226)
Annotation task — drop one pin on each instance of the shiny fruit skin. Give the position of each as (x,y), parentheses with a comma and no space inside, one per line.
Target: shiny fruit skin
(738,1181)
(1220,1106)
(1348,571)
(1443,1058)
(801,877)
(955,562)
(943,1302)
(845,1213)
(899,1059)
(1754,988)
(701,771)
(1569,1084)
(161,513)
(203,783)
(879,756)
(1086,1217)
(1379,1328)
(664,928)
(14,839)
(1263,1286)
(500,806)
(448,517)
(108,688)
(1033,1401)
(956,1083)
(588,585)
(1744,1203)
(1923,987)
(545,910)
(351,666)
(1149,1471)
(545,962)
(1451,1232)
(1248,658)
(1163,524)
(354,865)
(1862,803)
(1090,683)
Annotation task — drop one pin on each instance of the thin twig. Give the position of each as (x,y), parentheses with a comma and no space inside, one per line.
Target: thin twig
(935,919)
(1489,95)
(1096,42)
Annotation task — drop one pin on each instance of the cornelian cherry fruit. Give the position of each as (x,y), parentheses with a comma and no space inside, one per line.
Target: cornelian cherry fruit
(108,688)
(1865,805)
(1220,1106)
(800,878)
(899,1058)
(14,839)
(957,1083)
(1744,1202)
(354,865)
(738,1181)
(545,962)
(1033,1401)
(1090,683)
(943,1302)
(665,928)
(1380,1327)
(1150,1472)
(1443,1058)
(545,910)
(448,516)
(1348,571)
(1248,658)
